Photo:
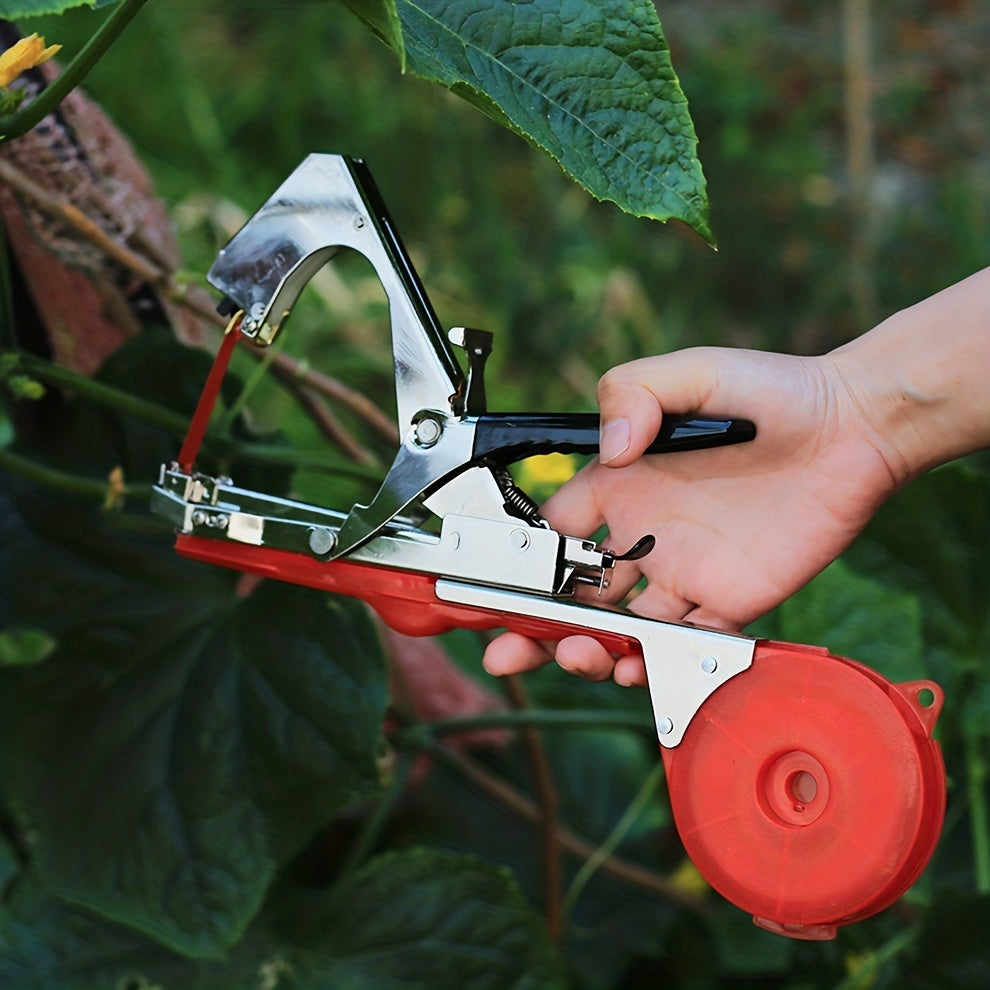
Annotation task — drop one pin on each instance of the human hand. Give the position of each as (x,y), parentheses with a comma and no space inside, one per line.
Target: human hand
(738,529)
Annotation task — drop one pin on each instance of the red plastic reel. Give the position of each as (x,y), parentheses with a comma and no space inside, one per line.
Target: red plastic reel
(808,790)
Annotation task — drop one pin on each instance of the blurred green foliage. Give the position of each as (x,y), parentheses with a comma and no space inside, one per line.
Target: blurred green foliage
(222,100)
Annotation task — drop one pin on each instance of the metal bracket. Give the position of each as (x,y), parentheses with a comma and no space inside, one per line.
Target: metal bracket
(685,664)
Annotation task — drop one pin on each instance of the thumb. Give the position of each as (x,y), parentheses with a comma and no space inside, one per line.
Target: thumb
(632,397)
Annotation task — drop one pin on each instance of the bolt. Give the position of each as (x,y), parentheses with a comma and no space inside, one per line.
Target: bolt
(519,539)
(199,517)
(428,432)
(321,540)
(664,726)
(709,665)
(221,520)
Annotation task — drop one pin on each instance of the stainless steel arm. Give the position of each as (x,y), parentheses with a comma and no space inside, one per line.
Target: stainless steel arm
(330,202)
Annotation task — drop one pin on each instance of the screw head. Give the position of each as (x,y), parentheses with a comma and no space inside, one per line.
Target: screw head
(428,431)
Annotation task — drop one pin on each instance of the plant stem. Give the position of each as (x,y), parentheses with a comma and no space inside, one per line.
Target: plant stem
(612,840)
(6,293)
(521,805)
(547,718)
(865,976)
(27,117)
(286,368)
(547,795)
(104,395)
(71,484)
(976,776)
(378,819)
(176,423)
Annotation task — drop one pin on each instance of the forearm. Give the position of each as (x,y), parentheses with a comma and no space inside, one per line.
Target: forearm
(921,378)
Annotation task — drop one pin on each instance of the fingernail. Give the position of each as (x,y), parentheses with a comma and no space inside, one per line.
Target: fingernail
(613,440)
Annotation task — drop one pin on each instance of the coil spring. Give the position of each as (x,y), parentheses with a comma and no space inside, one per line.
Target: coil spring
(517,502)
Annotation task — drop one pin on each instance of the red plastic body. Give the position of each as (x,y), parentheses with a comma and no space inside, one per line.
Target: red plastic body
(406,600)
(807,789)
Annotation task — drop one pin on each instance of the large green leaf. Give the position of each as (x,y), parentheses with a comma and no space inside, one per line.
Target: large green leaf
(382,18)
(183,740)
(12,9)
(425,919)
(858,617)
(184,737)
(591,84)
(417,919)
(932,539)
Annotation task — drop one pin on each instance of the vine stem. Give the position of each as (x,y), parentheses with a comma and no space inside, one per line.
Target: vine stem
(865,976)
(573,718)
(176,423)
(20,122)
(289,370)
(377,821)
(549,807)
(592,864)
(976,776)
(63,481)
(527,809)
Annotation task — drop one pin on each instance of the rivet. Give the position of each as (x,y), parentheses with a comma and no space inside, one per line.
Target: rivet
(709,665)
(519,539)
(321,540)
(664,726)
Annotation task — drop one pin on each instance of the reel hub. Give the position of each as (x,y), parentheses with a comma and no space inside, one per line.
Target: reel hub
(808,790)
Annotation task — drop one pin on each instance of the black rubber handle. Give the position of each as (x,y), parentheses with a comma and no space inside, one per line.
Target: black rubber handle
(508,437)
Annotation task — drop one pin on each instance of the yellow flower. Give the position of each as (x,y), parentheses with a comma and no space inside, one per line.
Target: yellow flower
(547,469)
(26,54)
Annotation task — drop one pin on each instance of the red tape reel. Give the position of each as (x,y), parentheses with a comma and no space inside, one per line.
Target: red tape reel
(808,790)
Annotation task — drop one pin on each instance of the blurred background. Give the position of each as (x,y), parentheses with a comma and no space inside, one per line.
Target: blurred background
(847,150)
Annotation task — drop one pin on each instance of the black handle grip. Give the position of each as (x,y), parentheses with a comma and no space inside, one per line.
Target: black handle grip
(507,437)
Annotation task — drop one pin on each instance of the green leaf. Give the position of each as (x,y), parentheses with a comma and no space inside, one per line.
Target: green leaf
(417,919)
(184,739)
(14,9)
(46,944)
(860,618)
(426,919)
(9,867)
(18,646)
(950,952)
(591,84)
(932,539)
(382,18)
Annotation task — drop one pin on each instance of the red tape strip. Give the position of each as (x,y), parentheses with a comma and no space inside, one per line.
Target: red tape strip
(208,398)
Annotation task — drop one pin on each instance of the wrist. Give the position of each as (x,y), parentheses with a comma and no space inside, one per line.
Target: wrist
(919,379)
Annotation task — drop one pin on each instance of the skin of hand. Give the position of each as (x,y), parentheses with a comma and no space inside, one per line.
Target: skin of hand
(739,529)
